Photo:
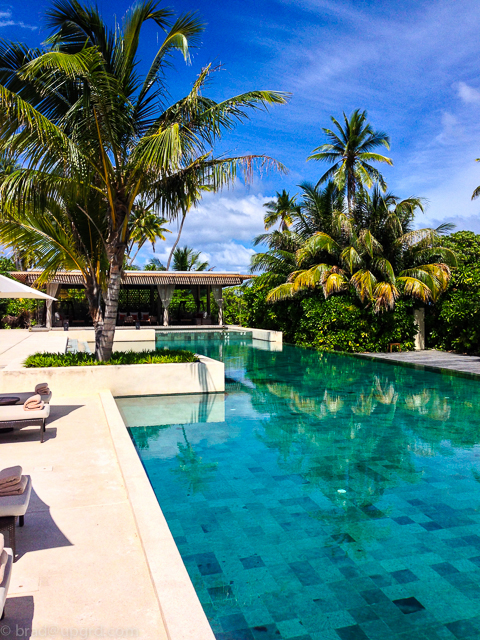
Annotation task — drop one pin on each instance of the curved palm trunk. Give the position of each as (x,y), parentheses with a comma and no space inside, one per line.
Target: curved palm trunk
(176,241)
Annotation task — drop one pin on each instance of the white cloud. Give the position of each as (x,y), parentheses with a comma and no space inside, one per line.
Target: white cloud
(6,20)
(467,93)
(222,227)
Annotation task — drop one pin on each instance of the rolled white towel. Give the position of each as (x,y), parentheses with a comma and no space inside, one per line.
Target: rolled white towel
(42,389)
(10,475)
(34,403)
(15,489)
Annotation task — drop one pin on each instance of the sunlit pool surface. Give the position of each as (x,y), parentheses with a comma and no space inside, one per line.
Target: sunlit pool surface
(322,496)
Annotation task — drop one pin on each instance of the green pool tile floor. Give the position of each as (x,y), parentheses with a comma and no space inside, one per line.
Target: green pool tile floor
(322,497)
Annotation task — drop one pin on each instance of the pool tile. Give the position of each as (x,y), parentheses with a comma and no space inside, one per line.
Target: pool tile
(233,622)
(354,632)
(444,568)
(266,632)
(220,593)
(408,605)
(374,596)
(463,629)
(252,562)
(363,614)
(403,520)
(207,563)
(305,573)
(404,576)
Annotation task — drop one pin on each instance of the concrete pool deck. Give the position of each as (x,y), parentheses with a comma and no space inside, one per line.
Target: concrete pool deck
(81,566)
(453,362)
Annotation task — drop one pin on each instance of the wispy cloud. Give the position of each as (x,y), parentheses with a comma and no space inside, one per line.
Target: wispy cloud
(7,20)
(413,67)
(467,93)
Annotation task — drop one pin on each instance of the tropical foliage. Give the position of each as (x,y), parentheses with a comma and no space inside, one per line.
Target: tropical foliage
(280,210)
(455,323)
(372,251)
(187,259)
(146,226)
(95,138)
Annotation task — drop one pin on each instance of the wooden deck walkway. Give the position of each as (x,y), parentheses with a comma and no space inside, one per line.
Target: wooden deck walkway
(433,358)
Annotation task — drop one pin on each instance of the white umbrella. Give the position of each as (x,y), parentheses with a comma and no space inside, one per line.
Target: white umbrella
(13,289)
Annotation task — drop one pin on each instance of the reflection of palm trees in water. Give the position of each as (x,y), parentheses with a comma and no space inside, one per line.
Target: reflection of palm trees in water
(191,467)
(348,428)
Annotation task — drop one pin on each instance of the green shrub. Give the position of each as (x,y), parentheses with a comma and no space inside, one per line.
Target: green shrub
(454,323)
(119,357)
(340,324)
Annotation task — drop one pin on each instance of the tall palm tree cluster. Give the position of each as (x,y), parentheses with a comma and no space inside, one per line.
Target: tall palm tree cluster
(97,148)
(347,233)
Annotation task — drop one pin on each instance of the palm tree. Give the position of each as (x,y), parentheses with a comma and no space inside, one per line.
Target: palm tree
(280,209)
(154,264)
(352,257)
(350,150)
(279,260)
(145,226)
(187,259)
(90,128)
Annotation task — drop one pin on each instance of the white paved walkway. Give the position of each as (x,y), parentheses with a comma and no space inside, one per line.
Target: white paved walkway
(80,563)
(17,344)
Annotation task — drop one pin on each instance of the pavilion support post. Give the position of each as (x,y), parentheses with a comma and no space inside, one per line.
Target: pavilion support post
(209,305)
(195,289)
(218,295)
(52,290)
(165,292)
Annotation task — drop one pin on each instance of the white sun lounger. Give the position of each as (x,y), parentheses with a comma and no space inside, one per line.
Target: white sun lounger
(15,417)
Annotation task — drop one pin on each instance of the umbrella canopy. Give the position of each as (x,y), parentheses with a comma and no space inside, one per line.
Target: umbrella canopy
(13,289)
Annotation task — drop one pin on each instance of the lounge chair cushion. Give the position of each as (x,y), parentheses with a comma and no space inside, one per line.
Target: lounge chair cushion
(17,412)
(24,395)
(16,505)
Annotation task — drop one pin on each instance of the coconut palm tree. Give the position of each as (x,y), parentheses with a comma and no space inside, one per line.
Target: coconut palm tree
(187,259)
(154,264)
(146,226)
(350,150)
(280,210)
(279,260)
(351,256)
(89,127)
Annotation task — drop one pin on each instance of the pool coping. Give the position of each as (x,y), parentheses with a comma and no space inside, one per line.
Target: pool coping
(181,610)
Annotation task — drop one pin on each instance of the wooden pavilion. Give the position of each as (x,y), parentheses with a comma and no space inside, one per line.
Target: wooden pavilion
(146,293)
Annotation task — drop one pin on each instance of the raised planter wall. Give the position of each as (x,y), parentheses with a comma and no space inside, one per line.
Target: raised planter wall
(205,376)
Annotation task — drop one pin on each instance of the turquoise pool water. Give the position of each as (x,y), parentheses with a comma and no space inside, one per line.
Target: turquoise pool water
(322,496)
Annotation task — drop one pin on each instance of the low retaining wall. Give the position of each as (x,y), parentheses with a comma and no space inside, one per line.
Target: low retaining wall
(205,376)
(259,334)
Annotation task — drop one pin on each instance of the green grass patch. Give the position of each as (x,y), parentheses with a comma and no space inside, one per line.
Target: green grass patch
(119,357)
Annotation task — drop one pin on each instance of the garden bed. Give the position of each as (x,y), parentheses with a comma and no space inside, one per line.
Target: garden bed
(81,359)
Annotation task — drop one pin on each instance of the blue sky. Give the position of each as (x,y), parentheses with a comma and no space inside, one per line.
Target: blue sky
(412,65)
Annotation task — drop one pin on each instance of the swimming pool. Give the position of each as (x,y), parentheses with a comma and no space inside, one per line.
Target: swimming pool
(322,496)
